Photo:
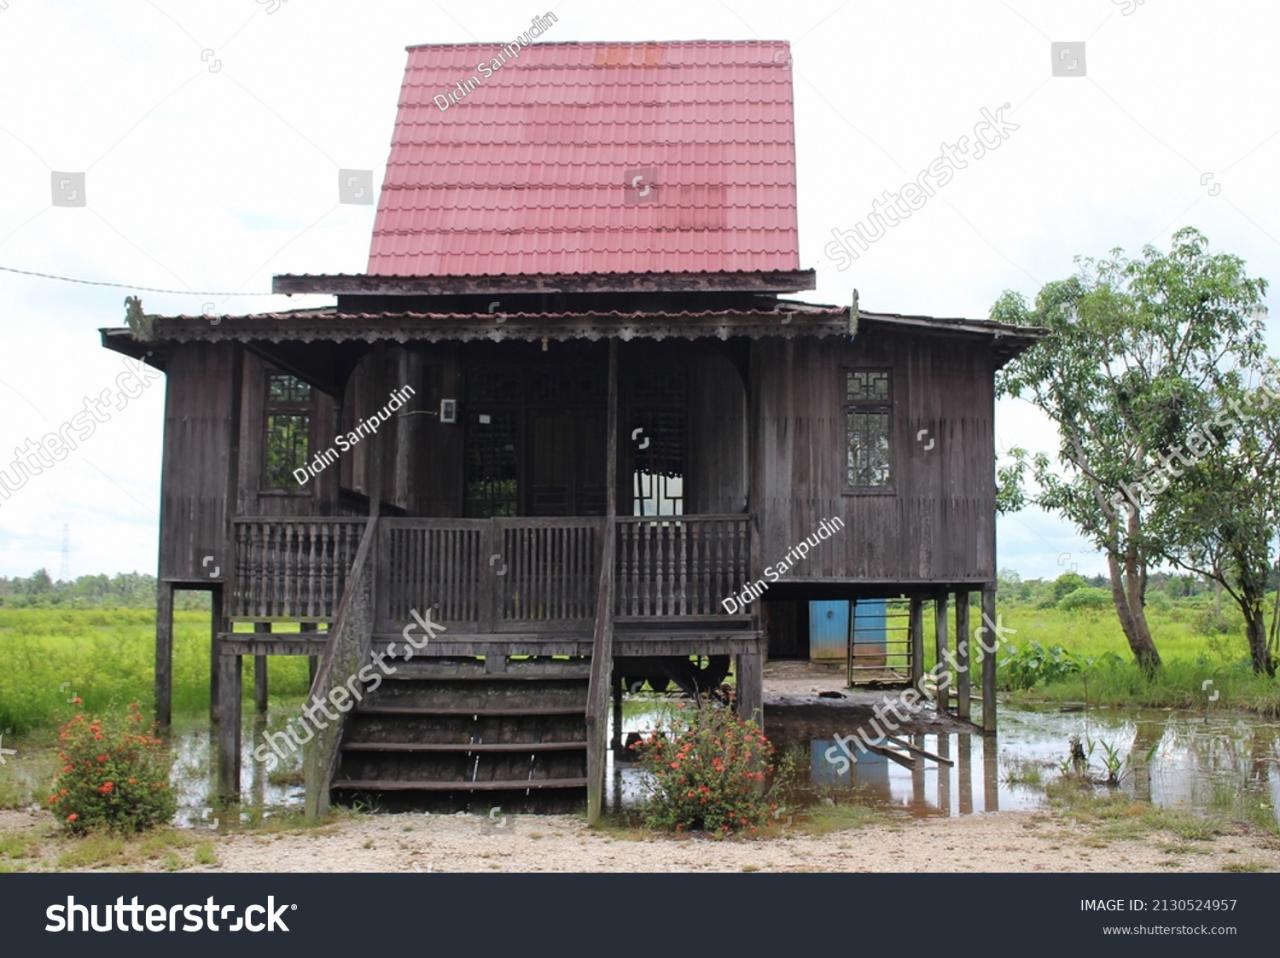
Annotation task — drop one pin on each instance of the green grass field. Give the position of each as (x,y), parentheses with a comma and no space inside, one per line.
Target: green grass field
(1193,650)
(107,656)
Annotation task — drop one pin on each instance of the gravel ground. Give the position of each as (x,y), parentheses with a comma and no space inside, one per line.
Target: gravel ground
(998,842)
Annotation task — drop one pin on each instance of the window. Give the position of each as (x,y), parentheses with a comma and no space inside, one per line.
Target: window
(491,464)
(657,408)
(868,417)
(287,442)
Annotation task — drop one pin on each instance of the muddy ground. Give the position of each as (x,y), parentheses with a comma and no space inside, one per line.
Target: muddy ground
(810,700)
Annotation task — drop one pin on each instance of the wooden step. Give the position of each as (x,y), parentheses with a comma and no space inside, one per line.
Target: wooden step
(385,785)
(412,674)
(520,747)
(497,712)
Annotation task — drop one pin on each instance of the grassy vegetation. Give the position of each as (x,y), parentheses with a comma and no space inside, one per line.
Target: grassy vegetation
(826,819)
(171,849)
(1118,817)
(1195,643)
(106,656)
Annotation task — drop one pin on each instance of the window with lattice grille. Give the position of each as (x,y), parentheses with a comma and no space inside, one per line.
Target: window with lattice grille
(287,439)
(657,437)
(868,421)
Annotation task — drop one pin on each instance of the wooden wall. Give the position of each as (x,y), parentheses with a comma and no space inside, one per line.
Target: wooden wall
(717,449)
(198,460)
(937,523)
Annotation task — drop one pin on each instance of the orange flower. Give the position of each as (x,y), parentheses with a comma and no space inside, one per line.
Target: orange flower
(103,758)
(106,787)
(72,817)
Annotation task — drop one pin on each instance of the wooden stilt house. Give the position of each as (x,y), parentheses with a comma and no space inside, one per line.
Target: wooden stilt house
(568,414)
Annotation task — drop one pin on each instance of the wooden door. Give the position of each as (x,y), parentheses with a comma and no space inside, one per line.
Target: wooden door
(565,450)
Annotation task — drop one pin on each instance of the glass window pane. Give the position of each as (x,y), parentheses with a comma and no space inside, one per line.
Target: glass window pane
(867,434)
(286,449)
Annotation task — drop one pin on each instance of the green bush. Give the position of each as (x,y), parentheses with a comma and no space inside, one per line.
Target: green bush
(1086,598)
(1022,668)
(710,777)
(1210,621)
(1067,583)
(115,775)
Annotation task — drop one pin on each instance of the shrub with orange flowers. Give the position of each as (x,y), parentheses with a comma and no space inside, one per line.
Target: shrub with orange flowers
(712,776)
(114,775)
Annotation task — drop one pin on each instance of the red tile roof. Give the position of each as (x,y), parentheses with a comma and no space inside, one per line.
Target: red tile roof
(530,171)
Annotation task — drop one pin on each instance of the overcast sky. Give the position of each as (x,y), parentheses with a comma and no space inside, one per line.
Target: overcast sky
(211,135)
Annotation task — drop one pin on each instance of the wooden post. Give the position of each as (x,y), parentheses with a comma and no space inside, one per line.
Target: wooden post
(222,600)
(964,762)
(915,629)
(941,670)
(611,441)
(215,678)
(990,773)
(751,687)
(850,641)
(964,661)
(164,654)
(944,773)
(989,643)
(619,687)
(313,661)
(228,730)
(602,635)
(260,674)
(918,797)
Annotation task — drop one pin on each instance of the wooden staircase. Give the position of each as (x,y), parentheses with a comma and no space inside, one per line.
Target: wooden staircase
(445,734)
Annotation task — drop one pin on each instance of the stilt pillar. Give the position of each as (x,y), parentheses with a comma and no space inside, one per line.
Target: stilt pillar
(751,687)
(990,640)
(164,655)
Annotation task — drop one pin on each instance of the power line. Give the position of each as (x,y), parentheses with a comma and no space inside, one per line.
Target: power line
(140,289)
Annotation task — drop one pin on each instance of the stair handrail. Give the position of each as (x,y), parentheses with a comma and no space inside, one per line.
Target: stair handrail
(347,648)
(598,687)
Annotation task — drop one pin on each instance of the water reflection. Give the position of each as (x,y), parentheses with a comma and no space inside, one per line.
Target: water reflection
(939,782)
(1227,765)
(263,792)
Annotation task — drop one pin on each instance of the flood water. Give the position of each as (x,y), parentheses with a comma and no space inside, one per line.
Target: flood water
(1226,764)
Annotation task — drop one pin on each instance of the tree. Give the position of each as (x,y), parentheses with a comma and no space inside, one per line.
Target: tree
(1067,583)
(1226,513)
(1131,345)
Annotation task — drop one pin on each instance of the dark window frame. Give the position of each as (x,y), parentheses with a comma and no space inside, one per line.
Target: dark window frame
(294,406)
(867,405)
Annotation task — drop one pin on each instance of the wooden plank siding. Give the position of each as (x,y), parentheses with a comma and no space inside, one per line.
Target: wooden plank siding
(936,522)
(936,525)
(197,461)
